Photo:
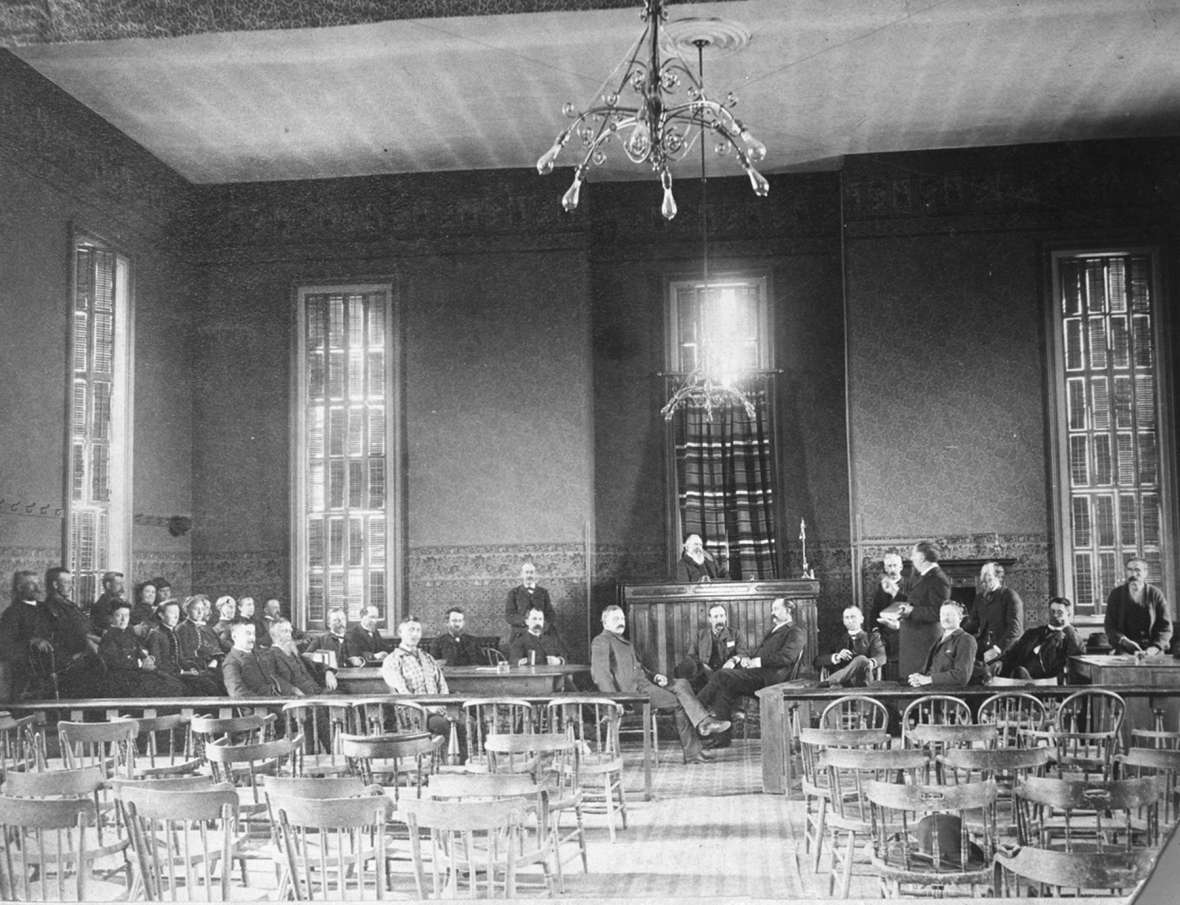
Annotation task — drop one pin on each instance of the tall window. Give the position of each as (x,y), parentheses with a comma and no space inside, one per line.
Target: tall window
(723,457)
(99,491)
(345,543)
(1111,447)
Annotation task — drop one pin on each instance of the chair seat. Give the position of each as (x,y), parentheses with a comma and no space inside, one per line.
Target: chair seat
(96,891)
(181,768)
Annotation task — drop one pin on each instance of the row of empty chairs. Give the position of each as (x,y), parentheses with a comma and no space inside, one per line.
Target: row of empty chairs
(129,795)
(1014,797)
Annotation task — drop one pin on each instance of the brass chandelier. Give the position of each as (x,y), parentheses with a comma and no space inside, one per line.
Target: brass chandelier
(659,125)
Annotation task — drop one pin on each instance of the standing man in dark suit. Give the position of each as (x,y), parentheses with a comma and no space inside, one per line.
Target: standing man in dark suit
(929,590)
(996,620)
(890,590)
(714,647)
(852,661)
(524,597)
(772,661)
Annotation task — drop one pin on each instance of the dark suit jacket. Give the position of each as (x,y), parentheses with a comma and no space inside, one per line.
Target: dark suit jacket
(700,648)
(547,645)
(863,644)
(614,665)
(996,617)
(255,675)
(951,660)
(461,651)
(520,601)
(1042,651)
(1144,624)
(779,650)
(359,643)
(711,568)
(920,629)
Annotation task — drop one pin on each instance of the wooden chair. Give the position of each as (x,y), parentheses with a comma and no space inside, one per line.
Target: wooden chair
(593,724)
(1025,872)
(387,760)
(485,716)
(47,854)
(188,782)
(1087,732)
(467,841)
(237,730)
(854,711)
(165,747)
(1163,763)
(320,723)
(19,749)
(493,655)
(937,739)
(385,718)
(1014,714)
(847,771)
(1006,766)
(1088,815)
(814,782)
(106,839)
(921,835)
(540,848)
(554,762)
(184,841)
(934,710)
(334,848)
(109,744)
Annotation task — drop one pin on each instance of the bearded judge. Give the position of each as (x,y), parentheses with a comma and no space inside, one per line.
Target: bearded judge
(698,564)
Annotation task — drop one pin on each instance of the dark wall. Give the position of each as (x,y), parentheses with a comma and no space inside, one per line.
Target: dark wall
(62,168)
(493,307)
(946,267)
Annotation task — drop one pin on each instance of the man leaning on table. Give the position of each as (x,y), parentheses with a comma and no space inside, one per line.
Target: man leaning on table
(1137,618)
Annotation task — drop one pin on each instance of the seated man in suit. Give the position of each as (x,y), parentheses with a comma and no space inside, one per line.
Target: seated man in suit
(544,647)
(330,641)
(615,668)
(952,658)
(855,654)
(455,647)
(772,661)
(250,672)
(1043,652)
(364,641)
(716,647)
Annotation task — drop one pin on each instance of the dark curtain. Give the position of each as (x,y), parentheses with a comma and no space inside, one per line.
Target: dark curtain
(726,485)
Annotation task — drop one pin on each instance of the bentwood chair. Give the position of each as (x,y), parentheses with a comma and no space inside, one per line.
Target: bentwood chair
(815,787)
(335,849)
(47,853)
(487,716)
(1087,732)
(922,835)
(593,724)
(320,723)
(1014,714)
(934,710)
(847,772)
(854,711)
(1032,873)
(1163,763)
(474,846)
(185,842)
(553,761)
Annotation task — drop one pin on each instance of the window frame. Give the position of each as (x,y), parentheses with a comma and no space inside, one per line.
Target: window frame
(395,500)
(120,518)
(1057,428)
(766,368)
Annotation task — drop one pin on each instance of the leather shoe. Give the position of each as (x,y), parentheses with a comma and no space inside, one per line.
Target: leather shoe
(711,726)
(721,740)
(701,757)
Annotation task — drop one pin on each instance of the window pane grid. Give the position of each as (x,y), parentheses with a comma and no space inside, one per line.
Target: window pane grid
(1112,443)
(345,367)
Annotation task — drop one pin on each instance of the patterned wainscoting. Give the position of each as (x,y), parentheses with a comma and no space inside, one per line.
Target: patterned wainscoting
(36,559)
(1028,576)
(258,573)
(176,567)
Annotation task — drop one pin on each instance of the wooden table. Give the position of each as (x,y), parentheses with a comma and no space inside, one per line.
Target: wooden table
(777,701)
(1114,671)
(473,681)
(50,711)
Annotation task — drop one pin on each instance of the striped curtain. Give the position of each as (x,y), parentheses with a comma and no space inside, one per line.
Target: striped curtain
(726,485)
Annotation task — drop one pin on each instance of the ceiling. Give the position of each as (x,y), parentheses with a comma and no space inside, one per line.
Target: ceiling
(819,79)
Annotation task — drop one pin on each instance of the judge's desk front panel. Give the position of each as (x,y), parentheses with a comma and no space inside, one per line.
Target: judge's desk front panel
(663,618)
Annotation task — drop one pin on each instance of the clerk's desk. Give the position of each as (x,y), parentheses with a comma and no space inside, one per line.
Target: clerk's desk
(1114,671)
(476,681)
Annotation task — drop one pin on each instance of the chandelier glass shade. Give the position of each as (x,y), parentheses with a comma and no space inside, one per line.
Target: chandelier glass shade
(657,108)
